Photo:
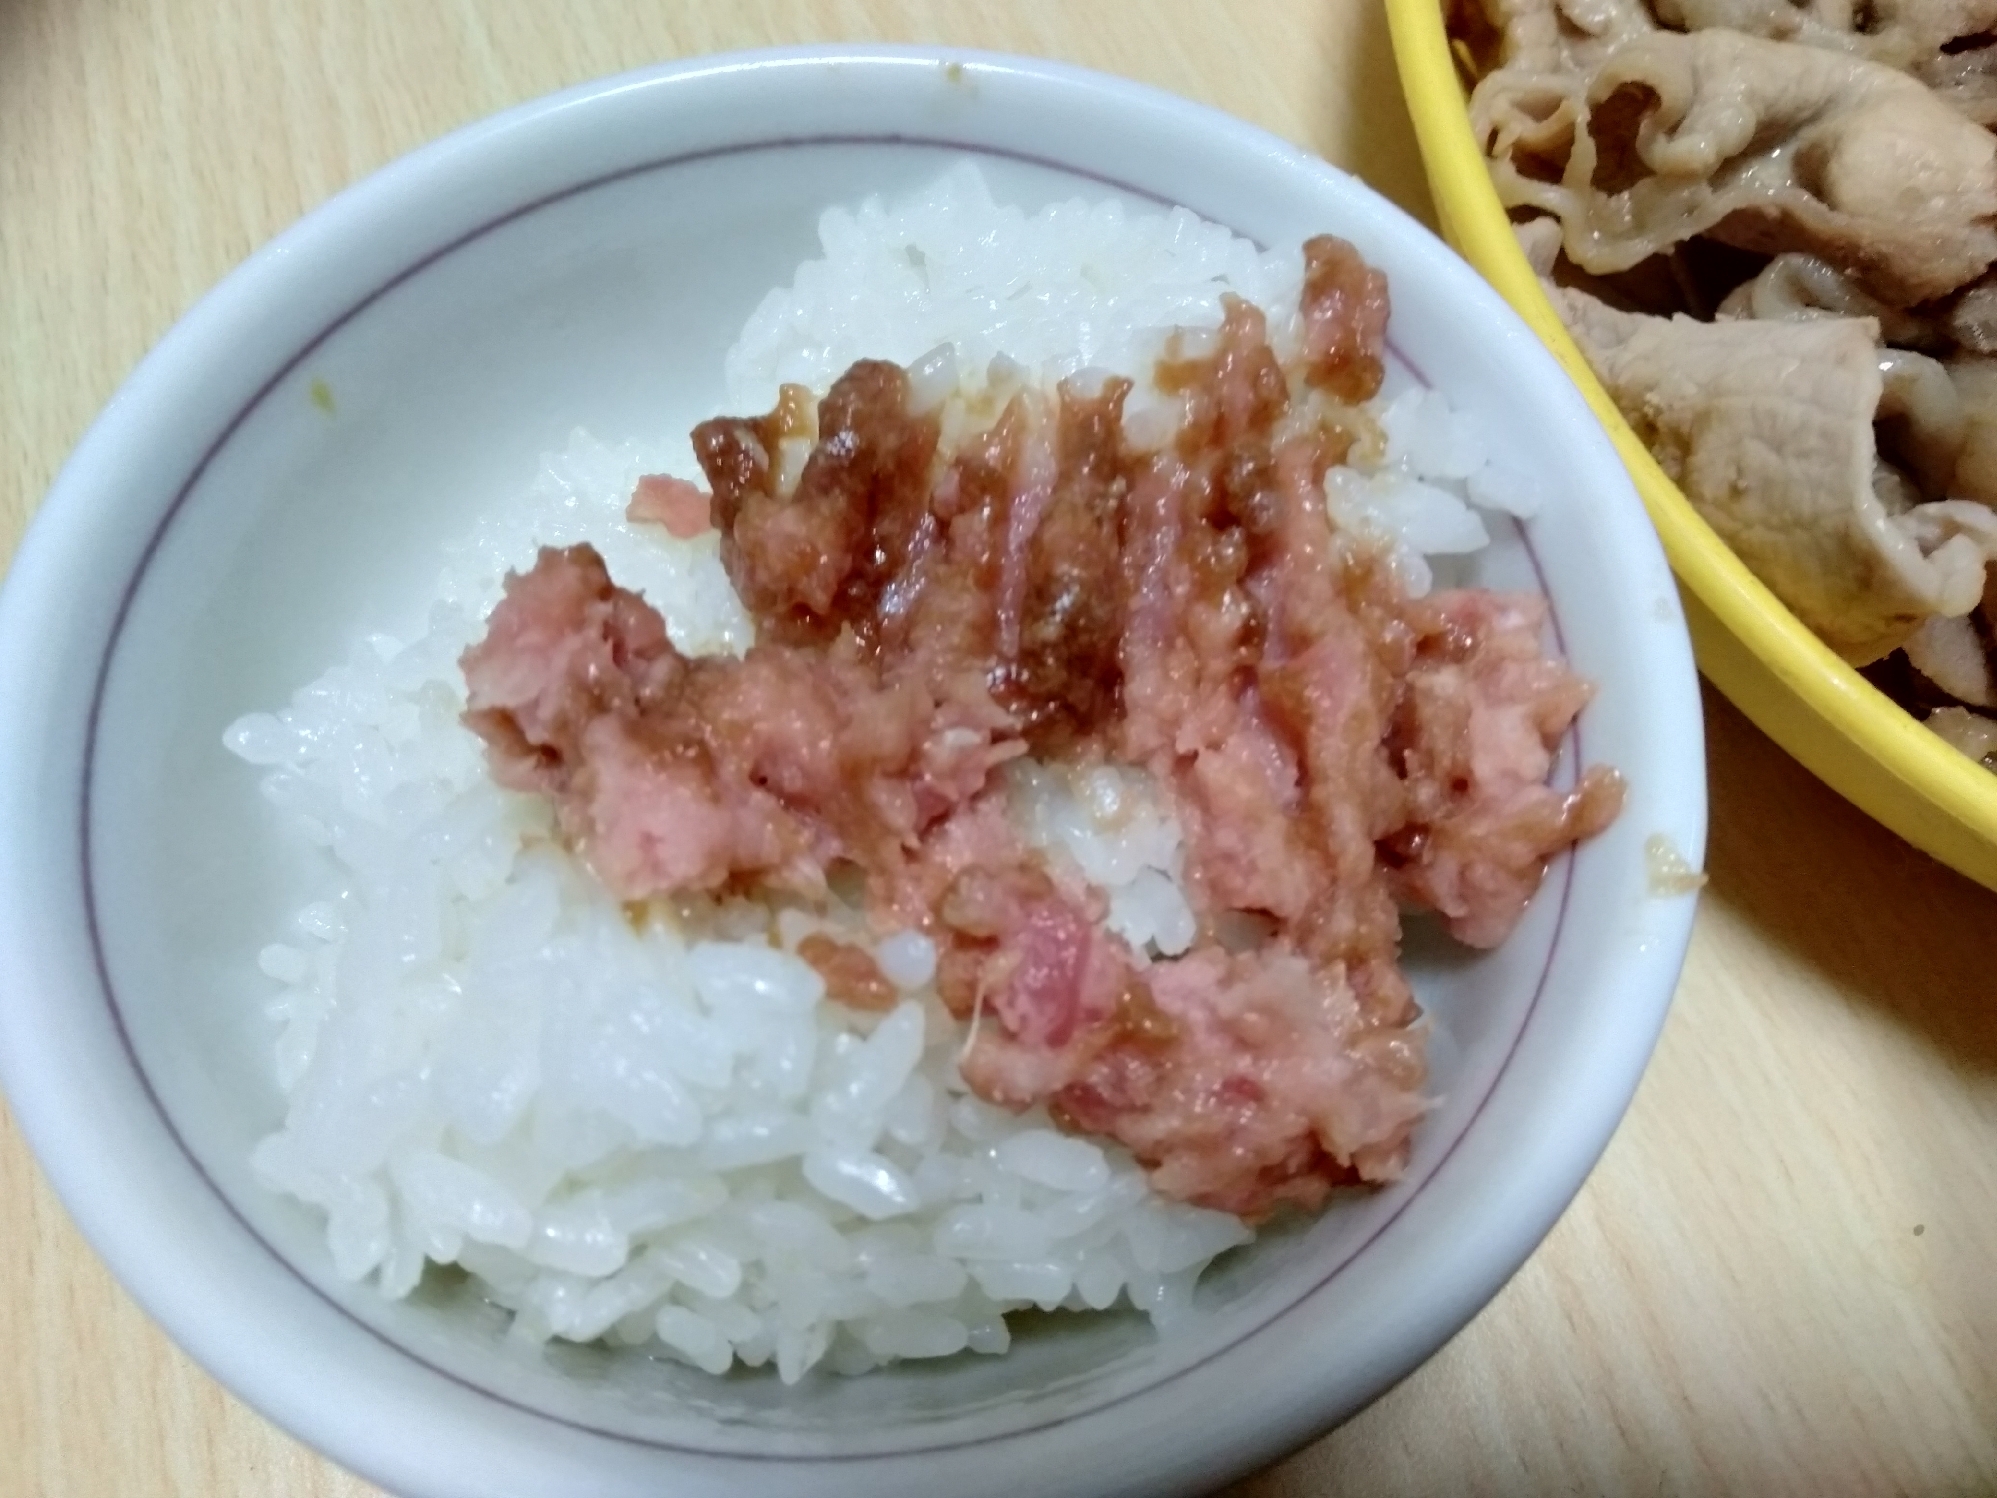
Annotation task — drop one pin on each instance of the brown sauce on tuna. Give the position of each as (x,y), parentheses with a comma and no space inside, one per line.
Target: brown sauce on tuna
(1045,584)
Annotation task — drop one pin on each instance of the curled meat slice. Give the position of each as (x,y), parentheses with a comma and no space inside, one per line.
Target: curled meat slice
(1794,287)
(1934,422)
(1539,237)
(1975,382)
(1778,20)
(1768,429)
(1760,144)
(1547,38)
(1968,733)
(1920,422)
(1966,81)
(1908,34)
(1970,319)
(1951,654)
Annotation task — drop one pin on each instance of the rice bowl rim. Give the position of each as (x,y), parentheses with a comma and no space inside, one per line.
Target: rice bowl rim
(79,1144)
(1790,683)
(1572,744)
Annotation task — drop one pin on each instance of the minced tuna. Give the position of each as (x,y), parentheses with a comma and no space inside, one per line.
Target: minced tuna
(1049,583)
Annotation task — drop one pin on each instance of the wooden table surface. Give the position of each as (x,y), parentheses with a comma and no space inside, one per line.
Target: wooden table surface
(1782,1278)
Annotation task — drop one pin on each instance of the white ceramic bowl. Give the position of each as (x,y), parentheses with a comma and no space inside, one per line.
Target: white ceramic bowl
(219,537)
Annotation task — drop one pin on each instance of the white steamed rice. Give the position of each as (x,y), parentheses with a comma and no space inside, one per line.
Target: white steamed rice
(667,1137)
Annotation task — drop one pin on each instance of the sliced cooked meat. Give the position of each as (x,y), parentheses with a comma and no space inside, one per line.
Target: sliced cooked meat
(1795,287)
(1764,145)
(1914,35)
(1951,654)
(800,556)
(1966,81)
(1969,733)
(1768,429)
(1975,381)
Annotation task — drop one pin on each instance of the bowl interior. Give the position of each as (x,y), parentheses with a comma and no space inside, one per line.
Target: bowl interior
(1798,691)
(323,465)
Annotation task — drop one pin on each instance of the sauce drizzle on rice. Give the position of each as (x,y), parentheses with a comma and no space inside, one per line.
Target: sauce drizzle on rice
(936,595)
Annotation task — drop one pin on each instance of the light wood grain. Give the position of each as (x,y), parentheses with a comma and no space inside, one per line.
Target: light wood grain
(1778,1281)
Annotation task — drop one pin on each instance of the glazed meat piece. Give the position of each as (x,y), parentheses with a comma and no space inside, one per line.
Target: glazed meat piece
(1796,287)
(803,555)
(1344,309)
(1067,678)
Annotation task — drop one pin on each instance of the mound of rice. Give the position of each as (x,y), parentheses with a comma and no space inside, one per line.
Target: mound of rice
(630,1129)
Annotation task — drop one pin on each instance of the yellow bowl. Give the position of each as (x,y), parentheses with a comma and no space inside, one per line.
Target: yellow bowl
(1842,728)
